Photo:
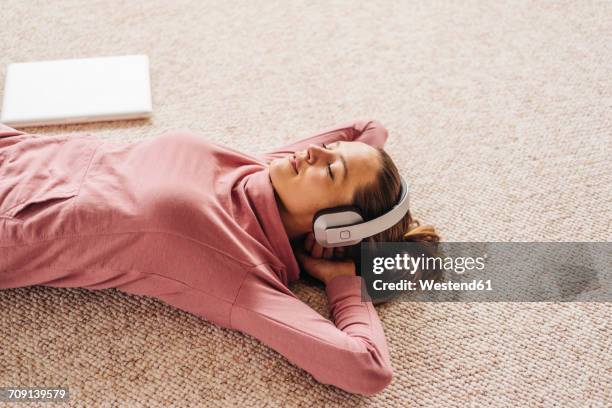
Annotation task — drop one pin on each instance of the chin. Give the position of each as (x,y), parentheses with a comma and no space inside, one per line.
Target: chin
(277,172)
(281,168)
(275,168)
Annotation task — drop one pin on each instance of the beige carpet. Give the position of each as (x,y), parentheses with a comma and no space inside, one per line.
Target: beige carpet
(500,116)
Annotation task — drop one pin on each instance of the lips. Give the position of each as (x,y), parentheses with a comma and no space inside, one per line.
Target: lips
(293,164)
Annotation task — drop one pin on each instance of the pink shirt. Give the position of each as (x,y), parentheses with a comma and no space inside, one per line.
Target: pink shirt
(188,221)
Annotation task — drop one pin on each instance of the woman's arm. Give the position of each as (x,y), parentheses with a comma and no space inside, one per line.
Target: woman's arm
(364,130)
(351,355)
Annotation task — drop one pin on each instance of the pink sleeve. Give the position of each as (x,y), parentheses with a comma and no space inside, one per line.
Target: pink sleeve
(6,131)
(364,130)
(351,354)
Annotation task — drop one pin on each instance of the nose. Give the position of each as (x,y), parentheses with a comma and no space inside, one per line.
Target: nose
(314,152)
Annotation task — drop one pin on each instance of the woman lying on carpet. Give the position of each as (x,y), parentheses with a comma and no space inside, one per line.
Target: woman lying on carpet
(209,230)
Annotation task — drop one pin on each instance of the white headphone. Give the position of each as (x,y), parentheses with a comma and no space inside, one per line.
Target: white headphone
(344,225)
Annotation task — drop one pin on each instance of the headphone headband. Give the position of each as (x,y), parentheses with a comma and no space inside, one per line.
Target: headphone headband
(343,226)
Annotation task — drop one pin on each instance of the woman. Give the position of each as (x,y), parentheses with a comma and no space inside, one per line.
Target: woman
(209,230)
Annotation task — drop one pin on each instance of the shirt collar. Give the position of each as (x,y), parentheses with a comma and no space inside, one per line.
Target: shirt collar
(261,191)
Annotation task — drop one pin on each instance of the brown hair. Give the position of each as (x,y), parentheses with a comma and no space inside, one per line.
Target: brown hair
(378,197)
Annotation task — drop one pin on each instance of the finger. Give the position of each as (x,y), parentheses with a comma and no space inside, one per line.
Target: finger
(299,255)
(304,260)
(328,253)
(339,252)
(317,251)
(308,243)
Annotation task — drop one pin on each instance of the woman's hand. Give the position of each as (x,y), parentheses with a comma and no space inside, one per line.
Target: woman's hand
(317,251)
(318,263)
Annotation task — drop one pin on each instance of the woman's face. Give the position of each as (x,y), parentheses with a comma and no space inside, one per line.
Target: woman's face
(323,176)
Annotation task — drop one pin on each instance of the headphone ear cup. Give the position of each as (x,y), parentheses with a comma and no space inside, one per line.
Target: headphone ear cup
(328,218)
(336,222)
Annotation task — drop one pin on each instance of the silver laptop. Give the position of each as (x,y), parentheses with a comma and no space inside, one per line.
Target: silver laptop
(76,91)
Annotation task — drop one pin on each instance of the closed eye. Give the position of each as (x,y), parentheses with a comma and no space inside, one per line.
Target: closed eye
(329,170)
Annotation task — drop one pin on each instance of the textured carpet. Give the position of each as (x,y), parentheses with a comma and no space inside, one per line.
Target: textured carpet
(499,115)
